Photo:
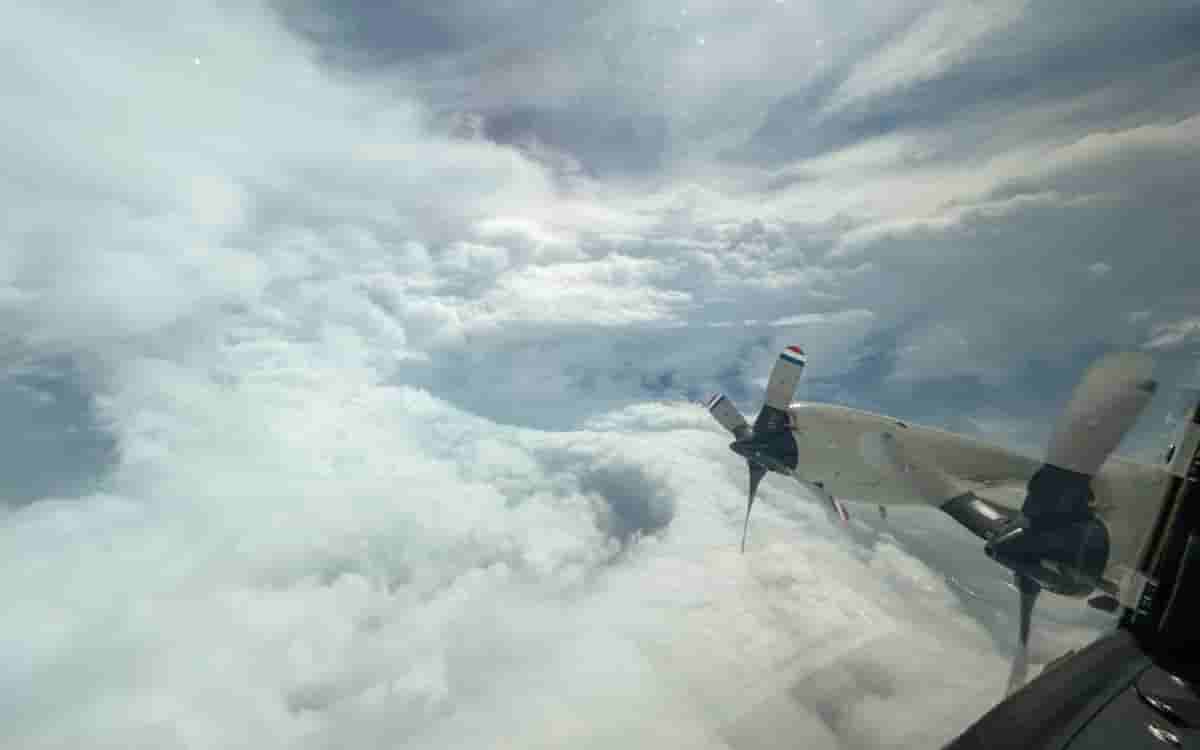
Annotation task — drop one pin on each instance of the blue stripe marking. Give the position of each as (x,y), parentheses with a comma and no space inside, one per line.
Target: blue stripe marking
(795,359)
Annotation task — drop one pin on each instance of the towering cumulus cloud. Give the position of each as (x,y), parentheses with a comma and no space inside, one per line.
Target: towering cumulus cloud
(347,353)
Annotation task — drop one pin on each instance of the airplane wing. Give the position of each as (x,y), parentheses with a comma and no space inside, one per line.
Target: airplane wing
(860,457)
(943,467)
(940,467)
(877,459)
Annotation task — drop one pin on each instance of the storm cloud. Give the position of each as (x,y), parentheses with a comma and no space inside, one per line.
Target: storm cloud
(347,351)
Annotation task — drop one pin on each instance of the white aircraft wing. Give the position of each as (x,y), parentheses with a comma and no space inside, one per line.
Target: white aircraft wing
(861,457)
(877,459)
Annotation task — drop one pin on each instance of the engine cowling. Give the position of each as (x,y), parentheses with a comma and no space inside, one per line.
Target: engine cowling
(1067,558)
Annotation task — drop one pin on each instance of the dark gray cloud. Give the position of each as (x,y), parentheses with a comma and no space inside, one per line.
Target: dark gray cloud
(623,87)
(372,33)
(607,142)
(1135,60)
(455,51)
(56,445)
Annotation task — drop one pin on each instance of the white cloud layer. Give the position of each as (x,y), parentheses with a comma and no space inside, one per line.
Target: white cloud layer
(398,448)
(938,40)
(306,559)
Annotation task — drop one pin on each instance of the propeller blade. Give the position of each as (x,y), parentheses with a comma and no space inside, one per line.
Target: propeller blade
(781,386)
(785,375)
(756,474)
(1028,589)
(1104,406)
(728,415)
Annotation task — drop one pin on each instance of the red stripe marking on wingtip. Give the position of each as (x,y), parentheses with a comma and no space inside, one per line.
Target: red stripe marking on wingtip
(795,349)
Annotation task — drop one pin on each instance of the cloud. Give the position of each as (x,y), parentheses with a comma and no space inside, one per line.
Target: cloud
(398,569)
(628,88)
(49,413)
(938,41)
(978,67)
(350,382)
(1175,334)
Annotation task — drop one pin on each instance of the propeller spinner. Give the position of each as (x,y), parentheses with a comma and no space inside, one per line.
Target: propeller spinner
(769,445)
